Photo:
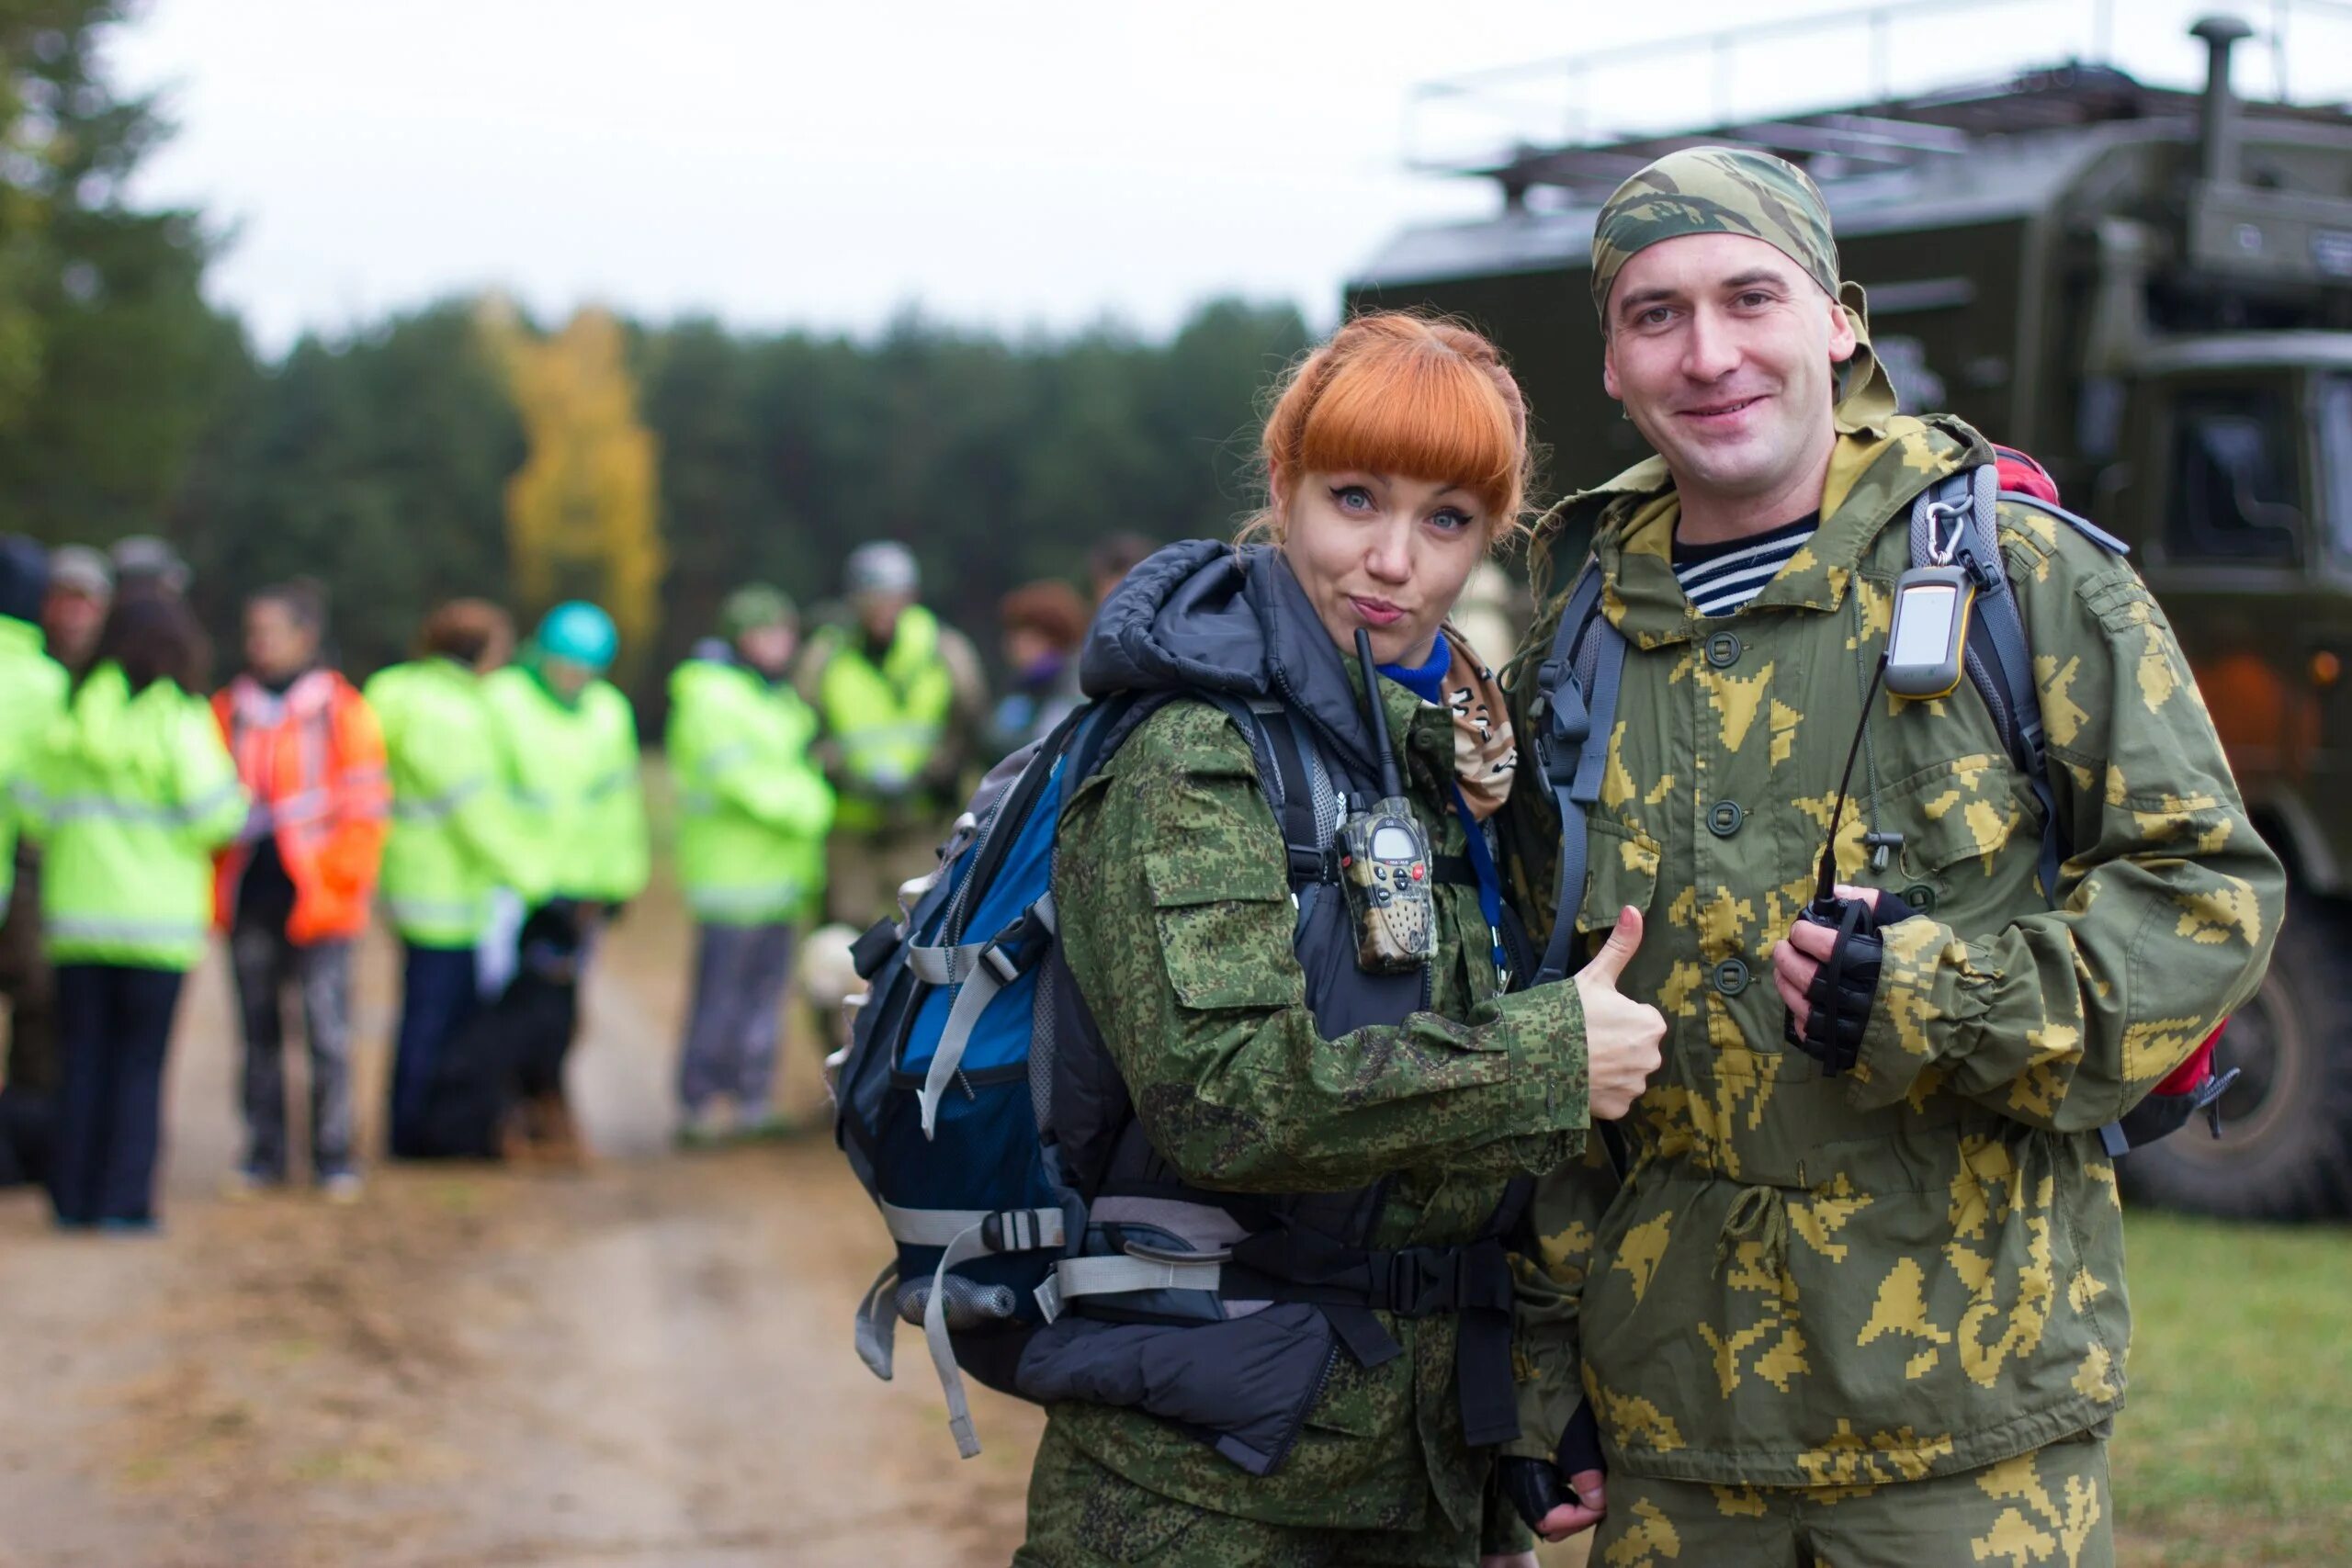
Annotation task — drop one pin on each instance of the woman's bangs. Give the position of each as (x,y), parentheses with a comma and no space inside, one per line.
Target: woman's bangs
(1419,415)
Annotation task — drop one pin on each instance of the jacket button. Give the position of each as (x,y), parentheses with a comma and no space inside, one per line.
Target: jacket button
(1724,818)
(1920,896)
(1731,977)
(1723,650)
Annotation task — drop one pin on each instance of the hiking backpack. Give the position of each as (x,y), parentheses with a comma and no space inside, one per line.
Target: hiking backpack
(968,1039)
(1579,682)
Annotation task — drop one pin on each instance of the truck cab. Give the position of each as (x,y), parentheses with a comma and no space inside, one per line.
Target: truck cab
(2234,486)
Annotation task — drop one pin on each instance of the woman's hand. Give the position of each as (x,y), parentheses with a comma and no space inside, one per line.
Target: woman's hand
(1621,1037)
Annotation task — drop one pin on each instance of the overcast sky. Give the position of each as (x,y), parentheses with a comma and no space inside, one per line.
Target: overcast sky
(1028,163)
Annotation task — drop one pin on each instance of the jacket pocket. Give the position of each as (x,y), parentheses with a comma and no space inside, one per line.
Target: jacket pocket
(1621,868)
(1225,940)
(1972,832)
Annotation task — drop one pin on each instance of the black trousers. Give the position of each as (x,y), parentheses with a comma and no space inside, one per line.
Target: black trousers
(114,1024)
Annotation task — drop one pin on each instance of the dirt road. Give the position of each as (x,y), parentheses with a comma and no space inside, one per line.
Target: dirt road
(647,1364)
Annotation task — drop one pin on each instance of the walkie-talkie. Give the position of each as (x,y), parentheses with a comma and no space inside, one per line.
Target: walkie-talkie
(1843,987)
(1385,858)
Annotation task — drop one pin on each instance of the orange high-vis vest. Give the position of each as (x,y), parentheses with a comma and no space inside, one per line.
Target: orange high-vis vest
(314,756)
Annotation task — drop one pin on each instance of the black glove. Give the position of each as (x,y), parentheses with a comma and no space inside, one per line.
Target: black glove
(1845,986)
(1535,1487)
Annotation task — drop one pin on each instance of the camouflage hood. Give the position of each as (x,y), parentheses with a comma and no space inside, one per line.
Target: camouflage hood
(1203,616)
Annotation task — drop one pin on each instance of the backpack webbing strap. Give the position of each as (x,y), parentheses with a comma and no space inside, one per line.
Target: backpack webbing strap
(1577,692)
(963,1235)
(1472,1282)
(1002,960)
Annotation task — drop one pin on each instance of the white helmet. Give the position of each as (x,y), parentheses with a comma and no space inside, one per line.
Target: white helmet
(884,566)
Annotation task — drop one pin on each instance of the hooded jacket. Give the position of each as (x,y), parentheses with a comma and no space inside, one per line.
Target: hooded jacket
(752,808)
(128,794)
(571,772)
(455,836)
(32,694)
(1254,1065)
(1915,1269)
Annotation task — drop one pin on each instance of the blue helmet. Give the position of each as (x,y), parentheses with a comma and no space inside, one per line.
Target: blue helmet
(578,631)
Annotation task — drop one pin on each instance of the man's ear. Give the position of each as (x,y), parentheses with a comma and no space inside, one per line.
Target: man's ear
(1609,364)
(1843,339)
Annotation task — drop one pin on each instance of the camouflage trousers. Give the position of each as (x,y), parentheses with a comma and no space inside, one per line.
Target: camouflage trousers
(1083,1516)
(2049,1506)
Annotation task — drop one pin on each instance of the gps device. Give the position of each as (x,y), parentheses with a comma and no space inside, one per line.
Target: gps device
(1385,858)
(1924,647)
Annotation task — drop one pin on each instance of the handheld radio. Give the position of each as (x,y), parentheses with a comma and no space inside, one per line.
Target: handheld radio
(1385,858)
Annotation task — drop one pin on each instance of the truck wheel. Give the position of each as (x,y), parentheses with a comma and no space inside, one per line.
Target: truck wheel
(2285,1152)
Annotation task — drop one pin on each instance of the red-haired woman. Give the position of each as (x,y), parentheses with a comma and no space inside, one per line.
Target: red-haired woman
(1288,1337)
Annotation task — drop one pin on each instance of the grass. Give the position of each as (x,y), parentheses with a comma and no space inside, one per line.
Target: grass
(2237,1444)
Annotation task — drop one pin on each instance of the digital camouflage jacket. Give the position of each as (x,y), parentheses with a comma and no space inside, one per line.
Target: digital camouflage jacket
(1916,1269)
(1177,921)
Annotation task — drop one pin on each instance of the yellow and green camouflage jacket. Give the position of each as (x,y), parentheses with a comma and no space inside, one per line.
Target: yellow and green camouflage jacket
(1916,1269)
(1177,921)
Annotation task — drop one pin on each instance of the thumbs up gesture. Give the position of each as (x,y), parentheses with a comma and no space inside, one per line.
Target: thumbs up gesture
(1621,1036)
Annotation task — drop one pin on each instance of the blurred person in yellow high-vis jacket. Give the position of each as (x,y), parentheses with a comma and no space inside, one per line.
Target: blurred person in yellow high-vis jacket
(569,740)
(128,793)
(752,811)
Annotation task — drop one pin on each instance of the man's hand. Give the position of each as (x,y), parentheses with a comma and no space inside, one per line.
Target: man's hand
(1621,1036)
(1798,957)
(1554,1506)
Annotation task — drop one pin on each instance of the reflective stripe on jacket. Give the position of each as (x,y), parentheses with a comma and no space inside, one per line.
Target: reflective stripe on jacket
(753,808)
(128,794)
(887,721)
(32,694)
(454,837)
(314,756)
(570,772)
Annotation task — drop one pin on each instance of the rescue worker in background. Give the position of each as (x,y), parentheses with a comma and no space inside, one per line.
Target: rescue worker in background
(1044,624)
(32,694)
(81,589)
(1108,563)
(72,614)
(129,793)
(752,812)
(569,740)
(293,891)
(903,712)
(1879,1316)
(454,837)
(1259,1060)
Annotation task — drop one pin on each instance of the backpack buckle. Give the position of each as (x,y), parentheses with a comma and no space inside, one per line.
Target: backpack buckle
(1423,1280)
(1013,951)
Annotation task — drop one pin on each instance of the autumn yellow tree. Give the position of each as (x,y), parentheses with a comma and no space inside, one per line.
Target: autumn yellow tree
(583,512)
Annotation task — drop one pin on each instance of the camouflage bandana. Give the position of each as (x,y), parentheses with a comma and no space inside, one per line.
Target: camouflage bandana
(1732,191)
(1486,752)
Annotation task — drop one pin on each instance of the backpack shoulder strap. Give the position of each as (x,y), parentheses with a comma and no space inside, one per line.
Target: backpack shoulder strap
(1287,760)
(1575,712)
(1999,660)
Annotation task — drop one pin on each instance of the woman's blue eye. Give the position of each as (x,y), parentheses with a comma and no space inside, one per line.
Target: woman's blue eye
(1451,521)
(1351,498)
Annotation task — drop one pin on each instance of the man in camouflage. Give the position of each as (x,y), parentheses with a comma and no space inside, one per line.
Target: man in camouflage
(1879,1316)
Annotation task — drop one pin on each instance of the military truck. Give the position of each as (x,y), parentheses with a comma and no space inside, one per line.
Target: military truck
(2150,291)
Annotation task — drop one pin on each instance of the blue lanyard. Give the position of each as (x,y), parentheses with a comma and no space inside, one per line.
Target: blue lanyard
(1490,880)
